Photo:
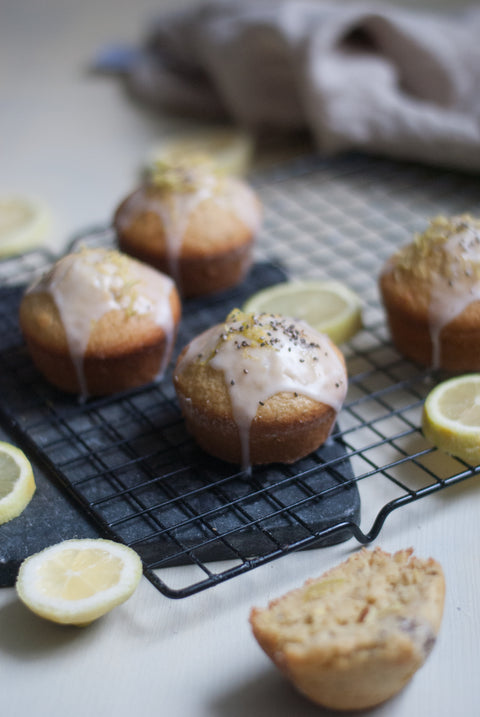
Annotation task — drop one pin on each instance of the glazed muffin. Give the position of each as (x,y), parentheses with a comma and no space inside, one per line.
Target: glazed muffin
(354,637)
(260,388)
(191,222)
(431,293)
(99,322)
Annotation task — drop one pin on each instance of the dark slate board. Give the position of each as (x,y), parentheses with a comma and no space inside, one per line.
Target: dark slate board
(49,518)
(338,502)
(53,515)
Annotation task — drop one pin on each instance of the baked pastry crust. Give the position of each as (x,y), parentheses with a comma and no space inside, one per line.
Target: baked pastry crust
(286,425)
(125,347)
(354,637)
(201,233)
(431,293)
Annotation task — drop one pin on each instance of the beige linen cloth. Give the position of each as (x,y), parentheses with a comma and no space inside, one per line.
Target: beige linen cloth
(377,78)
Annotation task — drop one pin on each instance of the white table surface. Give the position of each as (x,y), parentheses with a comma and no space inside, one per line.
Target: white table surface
(77,141)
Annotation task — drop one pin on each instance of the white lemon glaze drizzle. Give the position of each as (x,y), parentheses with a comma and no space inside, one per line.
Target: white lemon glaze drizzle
(174,211)
(293,358)
(446,261)
(87,285)
(450,295)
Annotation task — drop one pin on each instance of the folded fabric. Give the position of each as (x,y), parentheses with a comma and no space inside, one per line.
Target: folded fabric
(381,79)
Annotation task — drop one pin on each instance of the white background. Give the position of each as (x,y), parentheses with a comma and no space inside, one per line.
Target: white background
(77,141)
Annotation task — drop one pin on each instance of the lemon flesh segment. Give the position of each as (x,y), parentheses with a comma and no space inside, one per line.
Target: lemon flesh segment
(328,306)
(451,417)
(24,224)
(79,580)
(229,148)
(17,483)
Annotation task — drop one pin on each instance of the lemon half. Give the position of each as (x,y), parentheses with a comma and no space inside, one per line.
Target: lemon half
(17,484)
(328,306)
(78,581)
(451,417)
(24,224)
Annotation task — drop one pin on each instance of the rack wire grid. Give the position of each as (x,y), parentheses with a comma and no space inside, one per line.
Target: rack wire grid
(128,460)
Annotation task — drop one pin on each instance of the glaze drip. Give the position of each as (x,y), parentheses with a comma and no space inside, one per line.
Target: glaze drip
(447,258)
(175,190)
(87,285)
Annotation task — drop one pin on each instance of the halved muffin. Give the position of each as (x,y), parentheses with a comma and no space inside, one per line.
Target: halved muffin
(354,637)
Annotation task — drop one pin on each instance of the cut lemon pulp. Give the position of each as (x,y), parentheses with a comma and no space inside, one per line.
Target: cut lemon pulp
(78,581)
(17,484)
(231,149)
(328,306)
(24,223)
(451,417)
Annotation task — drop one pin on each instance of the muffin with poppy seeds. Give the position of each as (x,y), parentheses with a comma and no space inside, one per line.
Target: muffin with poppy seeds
(260,388)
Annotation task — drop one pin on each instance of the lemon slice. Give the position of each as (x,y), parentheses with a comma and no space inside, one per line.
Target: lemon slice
(451,417)
(17,484)
(78,581)
(328,306)
(231,149)
(24,224)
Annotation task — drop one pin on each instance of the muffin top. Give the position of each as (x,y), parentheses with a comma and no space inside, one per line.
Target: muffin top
(98,301)
(439,272)
(448,250)
(267,363)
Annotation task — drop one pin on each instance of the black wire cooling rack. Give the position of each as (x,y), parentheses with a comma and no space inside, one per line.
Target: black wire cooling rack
(132,468)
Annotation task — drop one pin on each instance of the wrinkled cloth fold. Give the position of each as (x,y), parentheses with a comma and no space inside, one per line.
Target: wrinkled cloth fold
(386,80)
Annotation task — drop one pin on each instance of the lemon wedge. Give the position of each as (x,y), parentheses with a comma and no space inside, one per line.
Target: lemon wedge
(24,224)
(451,417)
(328,306)
(17,484)
(230,149)
(79,580)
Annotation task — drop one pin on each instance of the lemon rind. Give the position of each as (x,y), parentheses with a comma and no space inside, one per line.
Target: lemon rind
(447,435)
(15,502)
(340,329)
(85,610)
(31,235)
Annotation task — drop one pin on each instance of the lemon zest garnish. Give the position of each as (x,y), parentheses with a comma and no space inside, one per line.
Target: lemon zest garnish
(430,253)
(252,327)
(109,263)
(246,329)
